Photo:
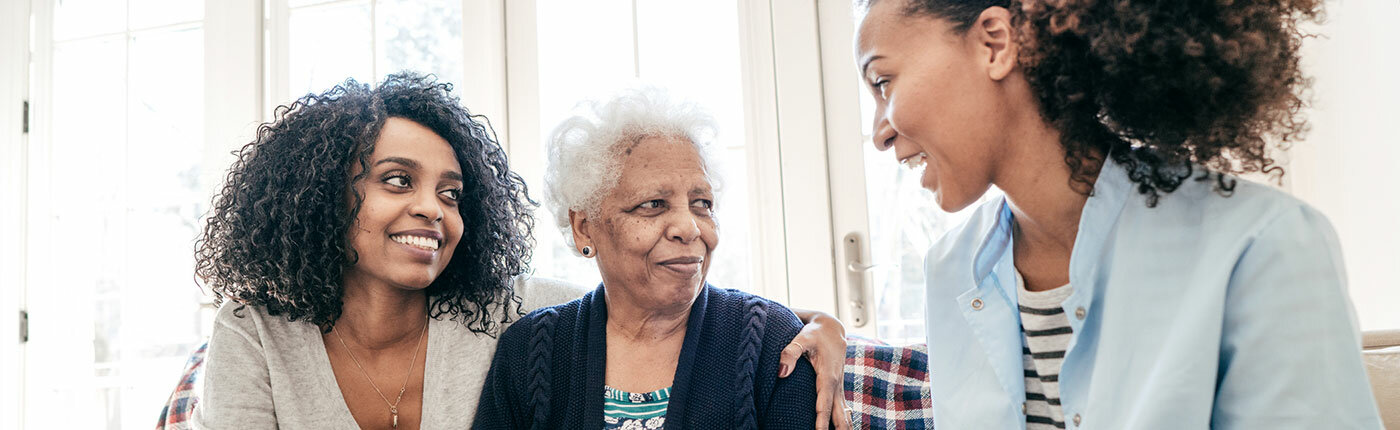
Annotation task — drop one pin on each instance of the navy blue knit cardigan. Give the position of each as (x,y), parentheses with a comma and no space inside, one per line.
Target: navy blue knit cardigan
(549,366)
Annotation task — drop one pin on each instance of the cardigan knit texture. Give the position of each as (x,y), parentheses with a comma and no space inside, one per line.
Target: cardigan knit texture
(548,371)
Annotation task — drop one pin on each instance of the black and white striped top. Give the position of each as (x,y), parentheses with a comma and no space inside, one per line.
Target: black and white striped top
(1045,336)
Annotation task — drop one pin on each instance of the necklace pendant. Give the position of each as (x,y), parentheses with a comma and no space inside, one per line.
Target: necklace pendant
(396,420)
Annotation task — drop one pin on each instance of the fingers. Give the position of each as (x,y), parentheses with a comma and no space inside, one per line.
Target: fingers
(831,400)
(841,417)
(788,360)
(823,406)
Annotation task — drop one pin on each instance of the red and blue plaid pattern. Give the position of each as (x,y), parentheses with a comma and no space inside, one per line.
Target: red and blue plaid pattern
(180,407)
(887,387)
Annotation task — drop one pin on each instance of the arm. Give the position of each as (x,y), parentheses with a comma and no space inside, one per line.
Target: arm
(823,341)
(237,388)
(1290,354)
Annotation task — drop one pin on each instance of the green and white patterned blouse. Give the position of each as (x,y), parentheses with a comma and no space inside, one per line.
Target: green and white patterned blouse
(634,411)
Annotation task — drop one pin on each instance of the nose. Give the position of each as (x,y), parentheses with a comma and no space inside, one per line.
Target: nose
(882,134)
(683,228)
(425,205)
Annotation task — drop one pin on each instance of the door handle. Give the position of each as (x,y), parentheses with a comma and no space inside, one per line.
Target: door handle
(858,275)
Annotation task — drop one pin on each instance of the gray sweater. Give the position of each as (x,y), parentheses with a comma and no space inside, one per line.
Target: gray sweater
(263,372)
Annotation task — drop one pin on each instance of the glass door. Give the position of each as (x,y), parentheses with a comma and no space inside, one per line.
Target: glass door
(113,201)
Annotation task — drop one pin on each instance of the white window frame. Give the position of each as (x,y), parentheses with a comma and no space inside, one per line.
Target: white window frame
(14,92)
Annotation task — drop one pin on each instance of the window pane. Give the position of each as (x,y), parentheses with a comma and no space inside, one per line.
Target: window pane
(163,204)
(78,261)
(587,50)
(420,36)
(328,44)
(114,202)
(79,18)
(151,13)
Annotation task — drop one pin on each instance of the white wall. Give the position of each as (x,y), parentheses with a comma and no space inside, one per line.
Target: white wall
(1346,167)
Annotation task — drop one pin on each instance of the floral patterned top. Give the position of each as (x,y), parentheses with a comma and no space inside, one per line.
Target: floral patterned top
(634,411)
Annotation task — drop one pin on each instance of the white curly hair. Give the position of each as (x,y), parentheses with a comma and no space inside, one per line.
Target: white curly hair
(585,151)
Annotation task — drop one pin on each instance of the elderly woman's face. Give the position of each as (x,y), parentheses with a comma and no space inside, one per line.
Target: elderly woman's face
(656,229)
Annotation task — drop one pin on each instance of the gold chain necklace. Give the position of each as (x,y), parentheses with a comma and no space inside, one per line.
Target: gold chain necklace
(393,407)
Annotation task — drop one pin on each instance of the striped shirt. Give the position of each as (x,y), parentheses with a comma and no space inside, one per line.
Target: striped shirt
(1045,334)
(624,410)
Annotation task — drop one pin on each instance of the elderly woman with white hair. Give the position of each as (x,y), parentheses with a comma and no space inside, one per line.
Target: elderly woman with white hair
(654,346)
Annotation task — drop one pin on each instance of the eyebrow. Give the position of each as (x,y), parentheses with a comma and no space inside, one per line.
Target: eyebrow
(450,174)
(399,160)
(865,65)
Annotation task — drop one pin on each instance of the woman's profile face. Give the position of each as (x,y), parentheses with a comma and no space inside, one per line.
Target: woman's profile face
(408,224)
(936,106)
(656,229)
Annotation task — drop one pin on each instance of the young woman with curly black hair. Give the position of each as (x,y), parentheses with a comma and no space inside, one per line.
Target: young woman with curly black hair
(369,239)
(373,243)
(1126,279)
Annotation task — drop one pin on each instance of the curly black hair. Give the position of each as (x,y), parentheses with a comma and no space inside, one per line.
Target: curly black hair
(277,236)
(1168,89)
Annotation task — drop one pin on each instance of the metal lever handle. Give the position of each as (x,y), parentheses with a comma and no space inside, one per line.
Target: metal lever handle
(859,267)
(857,279)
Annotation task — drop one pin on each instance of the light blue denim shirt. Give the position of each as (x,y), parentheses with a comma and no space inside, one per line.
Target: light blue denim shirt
(1203,312)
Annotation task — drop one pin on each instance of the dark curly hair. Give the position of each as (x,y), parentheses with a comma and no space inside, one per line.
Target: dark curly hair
(1169,89)
(277,236)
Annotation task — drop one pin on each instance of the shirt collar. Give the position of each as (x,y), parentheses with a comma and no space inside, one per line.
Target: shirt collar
(1100,214)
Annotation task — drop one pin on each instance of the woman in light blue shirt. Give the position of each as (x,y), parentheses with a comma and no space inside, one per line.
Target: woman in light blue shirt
(1126,279)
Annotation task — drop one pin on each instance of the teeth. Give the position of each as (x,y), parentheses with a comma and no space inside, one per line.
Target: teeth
(915,161)
(418,241)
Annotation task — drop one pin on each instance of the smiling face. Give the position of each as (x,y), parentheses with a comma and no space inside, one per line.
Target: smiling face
(654,231)
(938,97)
(408,224)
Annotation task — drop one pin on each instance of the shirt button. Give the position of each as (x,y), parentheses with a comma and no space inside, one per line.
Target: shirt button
(1079,313)
(976,304)
(1023,408)
(1076,419)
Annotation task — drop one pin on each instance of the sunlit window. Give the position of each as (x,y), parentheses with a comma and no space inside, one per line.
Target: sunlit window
(115,200)
(328,41)
(592,49)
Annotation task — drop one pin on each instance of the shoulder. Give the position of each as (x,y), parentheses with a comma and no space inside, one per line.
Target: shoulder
(251,327)
(740,310)
(249,322)
(1252,214)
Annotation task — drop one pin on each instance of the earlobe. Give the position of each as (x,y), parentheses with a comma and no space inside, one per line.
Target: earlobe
(999,41)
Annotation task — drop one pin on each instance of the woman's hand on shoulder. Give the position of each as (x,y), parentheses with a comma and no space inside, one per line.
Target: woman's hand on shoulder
(823,341)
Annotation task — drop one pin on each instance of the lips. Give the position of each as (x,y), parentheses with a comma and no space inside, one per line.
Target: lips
(683,265)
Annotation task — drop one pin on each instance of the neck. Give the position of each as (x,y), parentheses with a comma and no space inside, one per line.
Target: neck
(641,324)
(379,316)
(1036,181)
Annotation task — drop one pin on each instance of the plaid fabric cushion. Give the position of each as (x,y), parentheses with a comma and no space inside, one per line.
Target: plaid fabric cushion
(180,407)
(887,387)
